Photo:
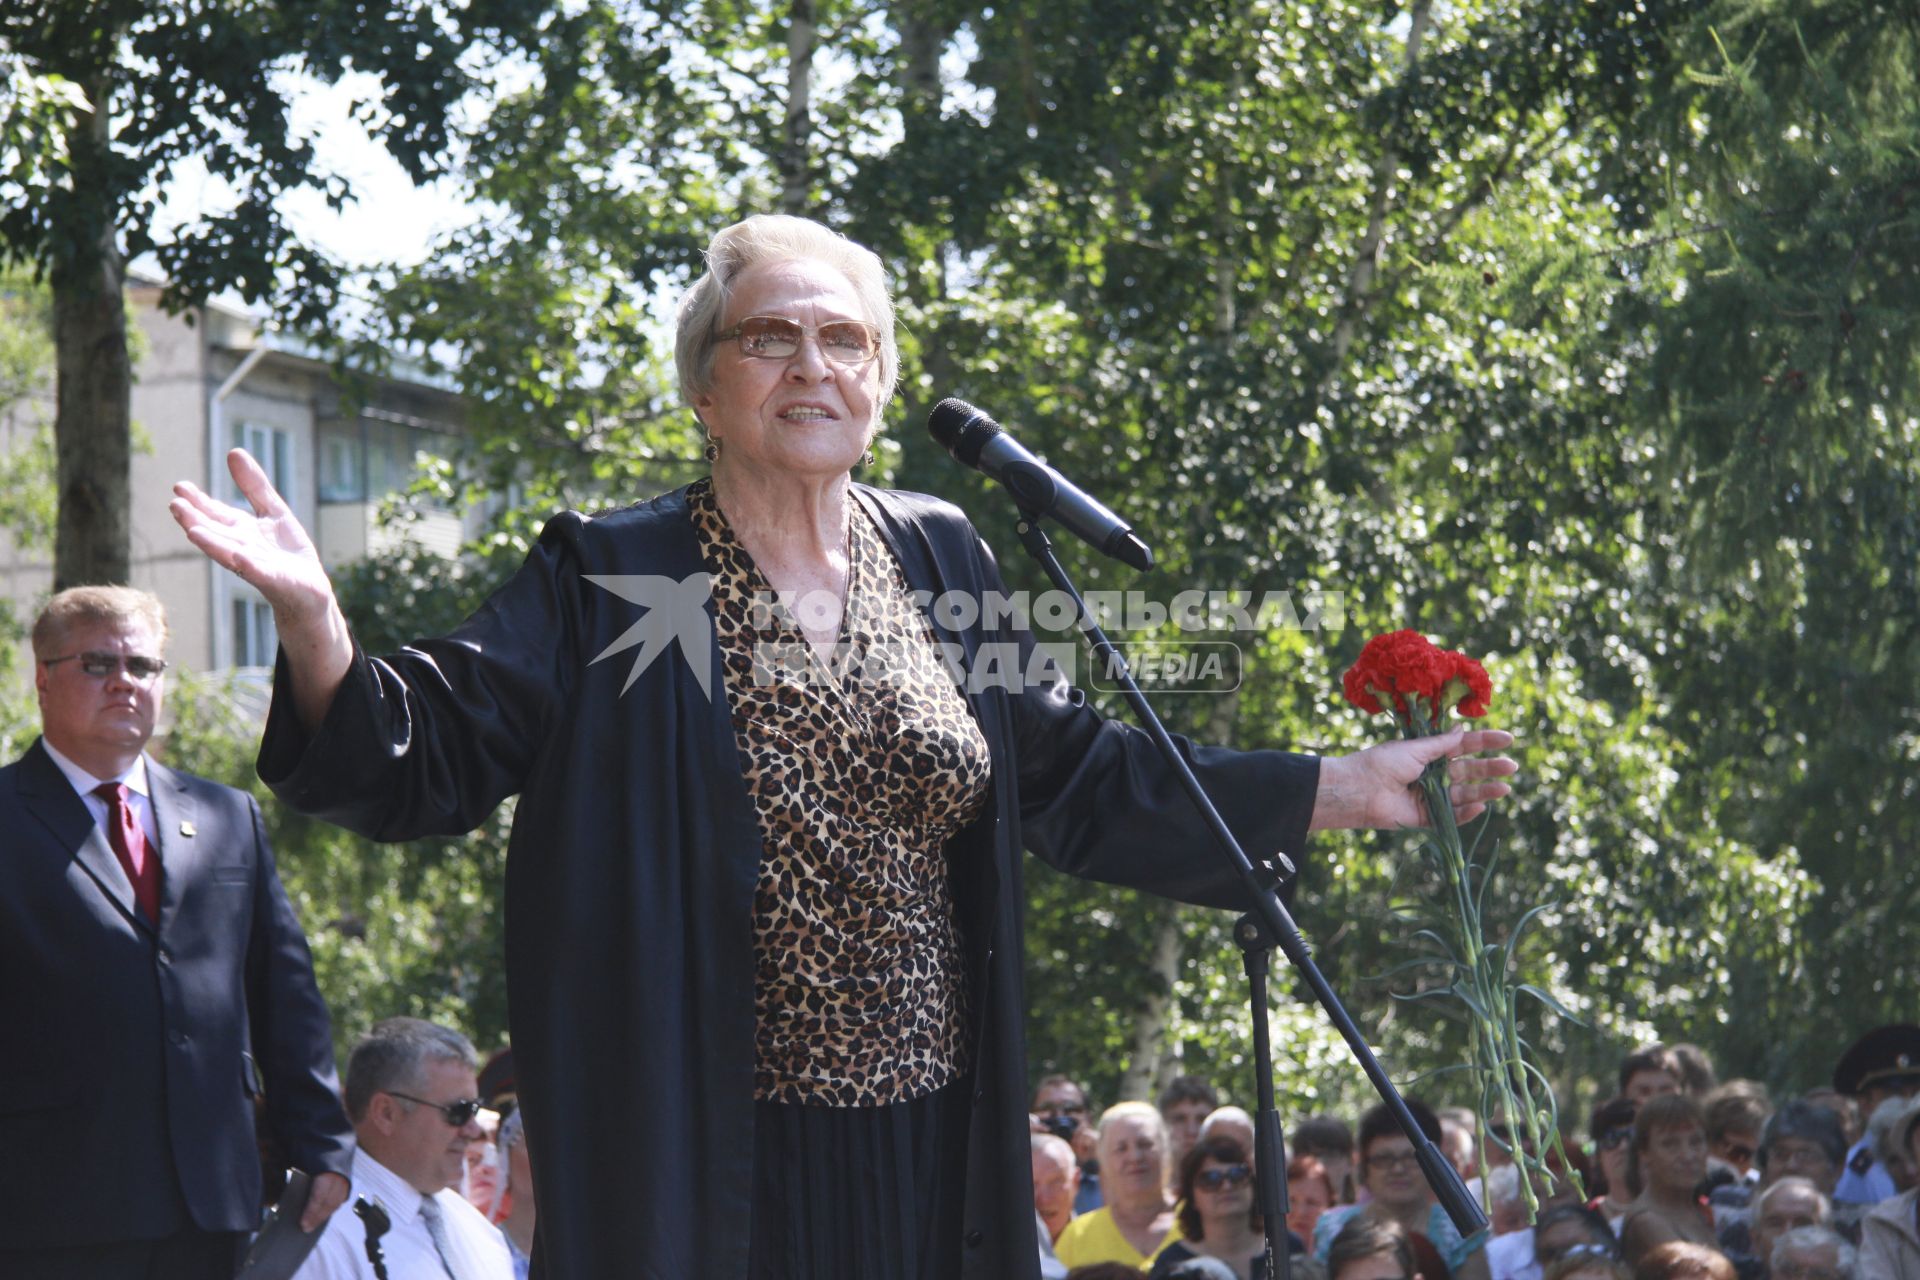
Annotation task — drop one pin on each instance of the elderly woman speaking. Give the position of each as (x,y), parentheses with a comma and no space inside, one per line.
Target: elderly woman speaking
(763,902)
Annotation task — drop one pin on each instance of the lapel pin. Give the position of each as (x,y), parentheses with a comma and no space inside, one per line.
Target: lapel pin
(186,828)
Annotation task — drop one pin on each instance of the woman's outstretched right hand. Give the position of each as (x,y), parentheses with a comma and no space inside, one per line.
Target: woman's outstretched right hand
(269,550)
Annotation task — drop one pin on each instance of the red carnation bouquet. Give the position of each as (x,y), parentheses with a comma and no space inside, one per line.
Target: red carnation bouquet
(1404,665)
(1423,686)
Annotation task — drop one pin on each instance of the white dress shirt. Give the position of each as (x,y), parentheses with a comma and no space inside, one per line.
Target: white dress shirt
(135,781)
(479,1250)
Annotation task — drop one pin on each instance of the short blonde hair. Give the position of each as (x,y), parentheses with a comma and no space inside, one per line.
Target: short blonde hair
(78,606)
(766,238)
(1145,1112)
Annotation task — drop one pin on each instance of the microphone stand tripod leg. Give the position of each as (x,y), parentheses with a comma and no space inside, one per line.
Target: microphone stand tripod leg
(1269,1135)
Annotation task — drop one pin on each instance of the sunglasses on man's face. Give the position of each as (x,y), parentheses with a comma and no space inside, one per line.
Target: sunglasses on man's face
(1613,1139)
(101,665)
(852,342)
(456,1113)
(1233,1175)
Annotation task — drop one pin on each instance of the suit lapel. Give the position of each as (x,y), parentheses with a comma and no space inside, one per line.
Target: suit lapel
(46,793)
(182,848)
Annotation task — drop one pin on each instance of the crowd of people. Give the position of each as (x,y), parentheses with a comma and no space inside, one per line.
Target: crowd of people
(1676,1176)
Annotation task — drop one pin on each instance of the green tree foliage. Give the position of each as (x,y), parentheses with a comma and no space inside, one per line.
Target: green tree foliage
(35,114)
(26,482)
(1581,337)
(1362,308)
(114,95)
(1781,325)
(26,460)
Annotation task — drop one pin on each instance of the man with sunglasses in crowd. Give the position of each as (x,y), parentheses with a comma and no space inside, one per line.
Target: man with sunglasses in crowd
(153,982)
(414,1095)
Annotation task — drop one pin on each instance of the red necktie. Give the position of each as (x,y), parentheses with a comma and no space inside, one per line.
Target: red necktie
(130,846)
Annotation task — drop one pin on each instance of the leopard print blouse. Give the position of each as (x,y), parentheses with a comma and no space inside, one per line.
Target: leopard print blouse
(859,773)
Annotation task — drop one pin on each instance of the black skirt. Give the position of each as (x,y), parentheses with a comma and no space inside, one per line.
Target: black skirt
(860,1193)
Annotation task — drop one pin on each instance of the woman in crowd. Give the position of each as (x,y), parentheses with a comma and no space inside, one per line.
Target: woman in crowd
(1735,1114)
(1611,1128)
(1330,1141)
(1218,1215)
(1669,1160)
(1137,1221)
(1310,1193)
(763,892)
(1883,1129)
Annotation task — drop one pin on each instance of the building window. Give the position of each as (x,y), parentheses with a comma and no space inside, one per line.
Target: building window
(272,448)
(368,459)
(343,456)
(254,639)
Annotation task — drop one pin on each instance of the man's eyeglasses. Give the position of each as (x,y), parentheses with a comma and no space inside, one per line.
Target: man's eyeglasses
(1384,1160)
(1233,1175)
(457,1113)
(1615,1138)
(101,665)
(850,342)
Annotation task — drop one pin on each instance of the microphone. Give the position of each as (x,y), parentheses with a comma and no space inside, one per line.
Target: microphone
(979,442)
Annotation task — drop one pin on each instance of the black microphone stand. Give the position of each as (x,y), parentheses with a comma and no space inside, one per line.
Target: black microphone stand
(1267,926)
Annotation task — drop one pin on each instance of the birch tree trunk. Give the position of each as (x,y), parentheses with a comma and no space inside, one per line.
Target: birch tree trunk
(923,37)
(1366,255)
(795,138)
(1155,1010)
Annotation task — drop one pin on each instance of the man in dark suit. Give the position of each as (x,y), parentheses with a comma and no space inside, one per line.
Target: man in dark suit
(153,982)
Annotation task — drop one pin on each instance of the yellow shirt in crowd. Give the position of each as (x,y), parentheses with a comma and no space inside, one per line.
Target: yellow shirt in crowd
(1093,1237)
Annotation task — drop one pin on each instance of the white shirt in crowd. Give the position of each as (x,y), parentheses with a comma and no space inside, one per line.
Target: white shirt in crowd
(1510,1257)
(477,1249)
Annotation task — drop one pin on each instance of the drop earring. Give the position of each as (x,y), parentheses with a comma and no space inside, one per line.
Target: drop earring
(712,450)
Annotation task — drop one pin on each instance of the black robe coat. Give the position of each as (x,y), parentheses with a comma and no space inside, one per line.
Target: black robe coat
(635,852)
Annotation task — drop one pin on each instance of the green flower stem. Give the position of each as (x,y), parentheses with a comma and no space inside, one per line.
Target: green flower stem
(1484,980)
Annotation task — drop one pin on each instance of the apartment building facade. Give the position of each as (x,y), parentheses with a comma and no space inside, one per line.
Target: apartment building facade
(215,378)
